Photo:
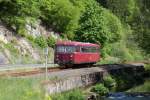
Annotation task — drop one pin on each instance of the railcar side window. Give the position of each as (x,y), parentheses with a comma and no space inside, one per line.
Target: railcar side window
(70,49)
(60,49)
(89,49)
(84,49)
(65,49)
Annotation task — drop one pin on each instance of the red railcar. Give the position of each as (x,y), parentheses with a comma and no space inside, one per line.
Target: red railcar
(73,53)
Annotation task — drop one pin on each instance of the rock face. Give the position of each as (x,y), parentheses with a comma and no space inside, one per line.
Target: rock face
(38,30)
(3,59)
(5,34)
(23,48)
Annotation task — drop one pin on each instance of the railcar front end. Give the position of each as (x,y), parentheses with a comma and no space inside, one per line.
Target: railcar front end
(64,55)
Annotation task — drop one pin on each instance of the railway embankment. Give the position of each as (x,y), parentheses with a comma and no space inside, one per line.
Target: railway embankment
(75,78)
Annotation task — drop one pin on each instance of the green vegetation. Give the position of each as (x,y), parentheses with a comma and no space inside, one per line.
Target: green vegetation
(51,41)
(11,47)
(141,88)
(31,89)
(147,67)
(71,95)
(20,89)
(120,27)
(133,13)
(121,81)
(95,25)
(109,82)
(126,80)
(41,41)
(100,89)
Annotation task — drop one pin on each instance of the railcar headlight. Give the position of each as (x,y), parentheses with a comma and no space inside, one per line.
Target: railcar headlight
(71,55)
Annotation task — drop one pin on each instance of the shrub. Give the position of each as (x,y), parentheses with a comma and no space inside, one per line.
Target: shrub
(119,52)
(147,67)
(75,95)
(30,37)
(11,48)
(100,89)
(41,41)
(71,95)
(109,82)
(51,41)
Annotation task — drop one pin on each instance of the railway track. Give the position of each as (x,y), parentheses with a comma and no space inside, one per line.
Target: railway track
(41,70)
(17,73)
(9,67)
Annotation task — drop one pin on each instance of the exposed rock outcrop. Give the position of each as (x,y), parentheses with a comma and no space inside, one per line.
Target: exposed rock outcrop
(24,48)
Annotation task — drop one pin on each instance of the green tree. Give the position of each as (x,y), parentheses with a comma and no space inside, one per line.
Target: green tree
(124,9)
(16,12)
(62,16)
(98,25)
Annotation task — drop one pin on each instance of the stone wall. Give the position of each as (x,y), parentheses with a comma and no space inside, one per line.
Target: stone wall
(76,78)
(73,82)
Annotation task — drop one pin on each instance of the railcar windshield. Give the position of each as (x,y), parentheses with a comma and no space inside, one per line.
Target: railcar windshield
(65,49)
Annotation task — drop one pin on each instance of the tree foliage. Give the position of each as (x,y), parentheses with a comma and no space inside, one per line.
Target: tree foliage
(98,25)
(134,13)
(62,15)
(96,21)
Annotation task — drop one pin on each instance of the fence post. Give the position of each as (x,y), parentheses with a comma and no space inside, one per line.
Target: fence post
(46,61)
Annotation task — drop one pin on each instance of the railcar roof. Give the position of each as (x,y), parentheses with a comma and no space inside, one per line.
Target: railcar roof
(74,43)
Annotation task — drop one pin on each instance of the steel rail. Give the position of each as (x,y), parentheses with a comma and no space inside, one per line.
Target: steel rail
(5,67)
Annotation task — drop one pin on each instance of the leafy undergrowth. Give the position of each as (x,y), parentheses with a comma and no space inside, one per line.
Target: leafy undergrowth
(147,67)
(31,89)
(20,89)
(71,95)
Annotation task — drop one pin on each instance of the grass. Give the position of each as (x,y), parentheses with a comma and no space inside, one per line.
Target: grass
(70,95)
(32,89)
(20,89)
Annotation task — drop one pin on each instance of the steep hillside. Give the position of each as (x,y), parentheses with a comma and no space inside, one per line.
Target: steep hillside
(17,49)
(121,27)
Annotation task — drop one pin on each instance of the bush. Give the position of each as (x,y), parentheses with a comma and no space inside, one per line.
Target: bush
(71,95)
(119,52)
(41,41)
(109,82)
(100,89)
(11,48)
(51,41)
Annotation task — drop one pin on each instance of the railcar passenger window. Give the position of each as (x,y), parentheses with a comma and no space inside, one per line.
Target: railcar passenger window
(60,49)
(89,49)
(70,49)
(84,49)
(65,49)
